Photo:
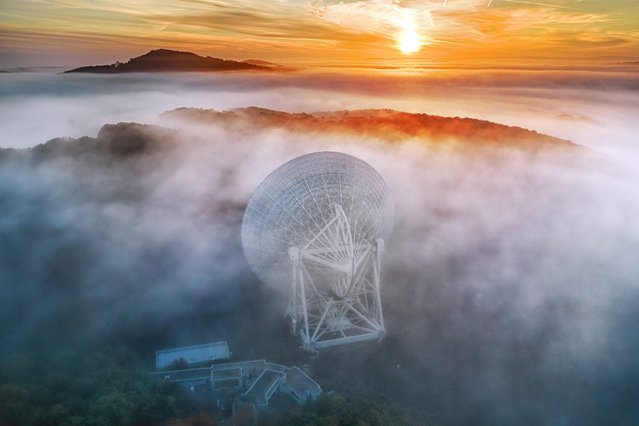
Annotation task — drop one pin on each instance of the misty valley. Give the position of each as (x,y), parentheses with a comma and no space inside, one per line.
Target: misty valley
(508,282)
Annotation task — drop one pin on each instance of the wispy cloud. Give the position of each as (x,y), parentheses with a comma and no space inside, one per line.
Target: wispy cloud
(326,31)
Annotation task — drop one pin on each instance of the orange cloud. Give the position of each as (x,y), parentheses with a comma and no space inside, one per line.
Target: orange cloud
(363,32)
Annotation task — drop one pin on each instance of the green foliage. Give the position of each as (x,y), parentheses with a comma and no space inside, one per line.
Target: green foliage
(336,410)
(86,389)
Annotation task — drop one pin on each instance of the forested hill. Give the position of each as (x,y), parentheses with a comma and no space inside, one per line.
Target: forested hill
(385,124)
(164,60)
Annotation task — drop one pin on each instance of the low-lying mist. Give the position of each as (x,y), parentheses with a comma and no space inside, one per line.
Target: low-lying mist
(510,283)
(595,109)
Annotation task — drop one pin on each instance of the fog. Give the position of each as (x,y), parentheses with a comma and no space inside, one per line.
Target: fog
(510,282)
(590,108)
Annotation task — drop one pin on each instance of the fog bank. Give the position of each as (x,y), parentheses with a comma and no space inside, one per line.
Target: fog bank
(510,281)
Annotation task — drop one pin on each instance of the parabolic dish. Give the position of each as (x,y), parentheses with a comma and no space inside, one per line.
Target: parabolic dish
(296,201)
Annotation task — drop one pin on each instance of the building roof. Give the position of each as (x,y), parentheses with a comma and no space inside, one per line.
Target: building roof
(184,375)
(259,378)
(275,367)
(259,391)
(297,380)
(246,365)
(226,373)
(192,354)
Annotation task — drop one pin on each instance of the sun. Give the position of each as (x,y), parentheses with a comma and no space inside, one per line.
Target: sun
(409,41)
(408,38)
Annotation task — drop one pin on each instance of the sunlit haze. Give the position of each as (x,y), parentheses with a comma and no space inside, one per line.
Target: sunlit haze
(325,32)
(319,212)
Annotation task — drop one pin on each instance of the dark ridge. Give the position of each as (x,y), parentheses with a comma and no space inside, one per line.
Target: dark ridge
(126,140)
(116,141)
(164,60)
(385,124)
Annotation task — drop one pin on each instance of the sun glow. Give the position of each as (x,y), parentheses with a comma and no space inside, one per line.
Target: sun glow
(409,42)
(409,39)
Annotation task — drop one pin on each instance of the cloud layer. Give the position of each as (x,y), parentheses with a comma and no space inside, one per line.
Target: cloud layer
(360,32)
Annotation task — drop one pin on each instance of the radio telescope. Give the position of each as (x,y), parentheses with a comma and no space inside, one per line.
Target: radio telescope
(315,228)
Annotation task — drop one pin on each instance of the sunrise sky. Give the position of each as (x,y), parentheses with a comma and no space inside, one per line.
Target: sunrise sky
(364,33)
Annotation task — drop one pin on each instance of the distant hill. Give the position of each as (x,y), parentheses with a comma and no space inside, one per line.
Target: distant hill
(163,60)
(466,135)
(386,124)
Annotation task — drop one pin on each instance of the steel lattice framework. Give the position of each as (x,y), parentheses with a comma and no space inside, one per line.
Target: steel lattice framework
(315,227)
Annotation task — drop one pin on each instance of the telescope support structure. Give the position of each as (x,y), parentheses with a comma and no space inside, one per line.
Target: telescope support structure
(342,303)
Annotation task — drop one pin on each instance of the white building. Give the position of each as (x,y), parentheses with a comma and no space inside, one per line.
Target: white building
(252,382)
(198,354)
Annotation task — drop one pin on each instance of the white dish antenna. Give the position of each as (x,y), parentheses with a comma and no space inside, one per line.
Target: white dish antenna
(315,228)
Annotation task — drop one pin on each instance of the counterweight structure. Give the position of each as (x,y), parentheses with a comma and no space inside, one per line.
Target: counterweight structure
(315,228)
